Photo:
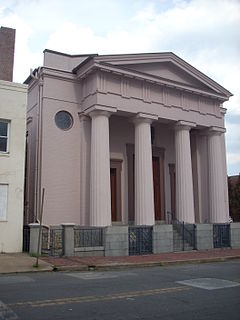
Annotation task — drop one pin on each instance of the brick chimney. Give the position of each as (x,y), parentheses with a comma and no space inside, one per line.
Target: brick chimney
(7,43)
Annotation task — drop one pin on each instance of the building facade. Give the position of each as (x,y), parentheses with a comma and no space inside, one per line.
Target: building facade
(125,139)
(13,103)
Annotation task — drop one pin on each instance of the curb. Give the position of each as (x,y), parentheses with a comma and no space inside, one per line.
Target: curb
(70,268)
(33,270)
(119,266)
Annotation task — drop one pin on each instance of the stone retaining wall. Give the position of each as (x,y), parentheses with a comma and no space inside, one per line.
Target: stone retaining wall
(115,240)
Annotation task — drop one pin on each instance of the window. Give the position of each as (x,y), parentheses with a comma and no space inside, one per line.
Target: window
(64,120)
(3,201)
(4,135)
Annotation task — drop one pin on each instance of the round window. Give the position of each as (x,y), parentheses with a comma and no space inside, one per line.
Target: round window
(64,120)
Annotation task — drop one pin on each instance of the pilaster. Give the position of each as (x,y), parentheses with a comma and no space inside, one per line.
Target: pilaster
(85,160)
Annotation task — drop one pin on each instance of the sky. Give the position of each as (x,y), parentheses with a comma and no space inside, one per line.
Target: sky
(205,33)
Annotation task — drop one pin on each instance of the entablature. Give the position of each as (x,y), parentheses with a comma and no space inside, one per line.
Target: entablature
(106,85)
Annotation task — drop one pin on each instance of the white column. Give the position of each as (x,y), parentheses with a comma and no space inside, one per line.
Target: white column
(144,201)
(217,197)
(100,193)
(184,179)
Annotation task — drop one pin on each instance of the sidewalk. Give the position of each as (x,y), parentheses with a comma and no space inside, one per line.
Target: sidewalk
(22,262)
(163,259)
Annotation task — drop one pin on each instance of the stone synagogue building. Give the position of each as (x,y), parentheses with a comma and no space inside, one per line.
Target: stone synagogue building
(133,139)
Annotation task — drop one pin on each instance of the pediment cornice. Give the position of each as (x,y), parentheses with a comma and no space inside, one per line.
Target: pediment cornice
(104,65)
(147,58)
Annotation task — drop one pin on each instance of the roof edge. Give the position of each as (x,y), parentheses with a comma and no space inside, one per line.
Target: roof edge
(69,55)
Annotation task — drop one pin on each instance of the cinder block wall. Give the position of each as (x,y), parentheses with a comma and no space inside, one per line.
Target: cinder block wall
(116,241)
(162,238)
(7,43)
(204,236)
(235,234)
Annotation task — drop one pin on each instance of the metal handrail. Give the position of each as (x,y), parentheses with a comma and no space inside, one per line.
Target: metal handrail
(186,234)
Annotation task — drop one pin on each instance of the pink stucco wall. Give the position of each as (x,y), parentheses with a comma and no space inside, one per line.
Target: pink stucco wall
(60,161)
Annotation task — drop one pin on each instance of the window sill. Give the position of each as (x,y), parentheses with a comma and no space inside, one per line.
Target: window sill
(4,154)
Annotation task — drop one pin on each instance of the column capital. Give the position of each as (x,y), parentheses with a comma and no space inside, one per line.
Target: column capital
(83,117)
(216,131)
(100,110)
(96,113)
(144,118)
(184,125)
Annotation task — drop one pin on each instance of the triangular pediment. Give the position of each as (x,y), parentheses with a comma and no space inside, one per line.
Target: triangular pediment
(167,71)
(168,67)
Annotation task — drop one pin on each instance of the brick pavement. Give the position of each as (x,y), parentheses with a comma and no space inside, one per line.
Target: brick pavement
(85,263)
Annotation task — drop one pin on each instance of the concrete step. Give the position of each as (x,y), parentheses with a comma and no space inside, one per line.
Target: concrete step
(179,248)
(177,237)
(178,242)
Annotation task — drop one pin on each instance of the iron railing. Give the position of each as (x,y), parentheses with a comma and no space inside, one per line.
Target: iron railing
(185,236)
(52,240)
(56,241)
(140,240)
(221,235)
(88,237)
(45,240)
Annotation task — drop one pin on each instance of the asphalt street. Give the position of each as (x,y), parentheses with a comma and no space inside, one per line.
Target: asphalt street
(199,291)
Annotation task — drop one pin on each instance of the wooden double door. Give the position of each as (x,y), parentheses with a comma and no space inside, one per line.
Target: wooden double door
(115,182)
(158,188)
(158,185)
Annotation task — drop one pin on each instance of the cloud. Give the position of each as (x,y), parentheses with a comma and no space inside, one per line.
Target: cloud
(24,58)
(204,33)
(233,144)
(233,158)
(83,40)
(233,136)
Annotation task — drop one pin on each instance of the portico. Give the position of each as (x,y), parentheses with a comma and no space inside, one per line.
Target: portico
(143,155)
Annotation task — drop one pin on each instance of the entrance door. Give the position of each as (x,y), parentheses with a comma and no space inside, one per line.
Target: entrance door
(115,181)
(156,187)
(173,191)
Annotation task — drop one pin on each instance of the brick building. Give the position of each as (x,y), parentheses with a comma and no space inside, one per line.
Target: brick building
(7,44)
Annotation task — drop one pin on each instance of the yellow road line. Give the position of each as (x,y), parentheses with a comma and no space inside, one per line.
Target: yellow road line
(82,299)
